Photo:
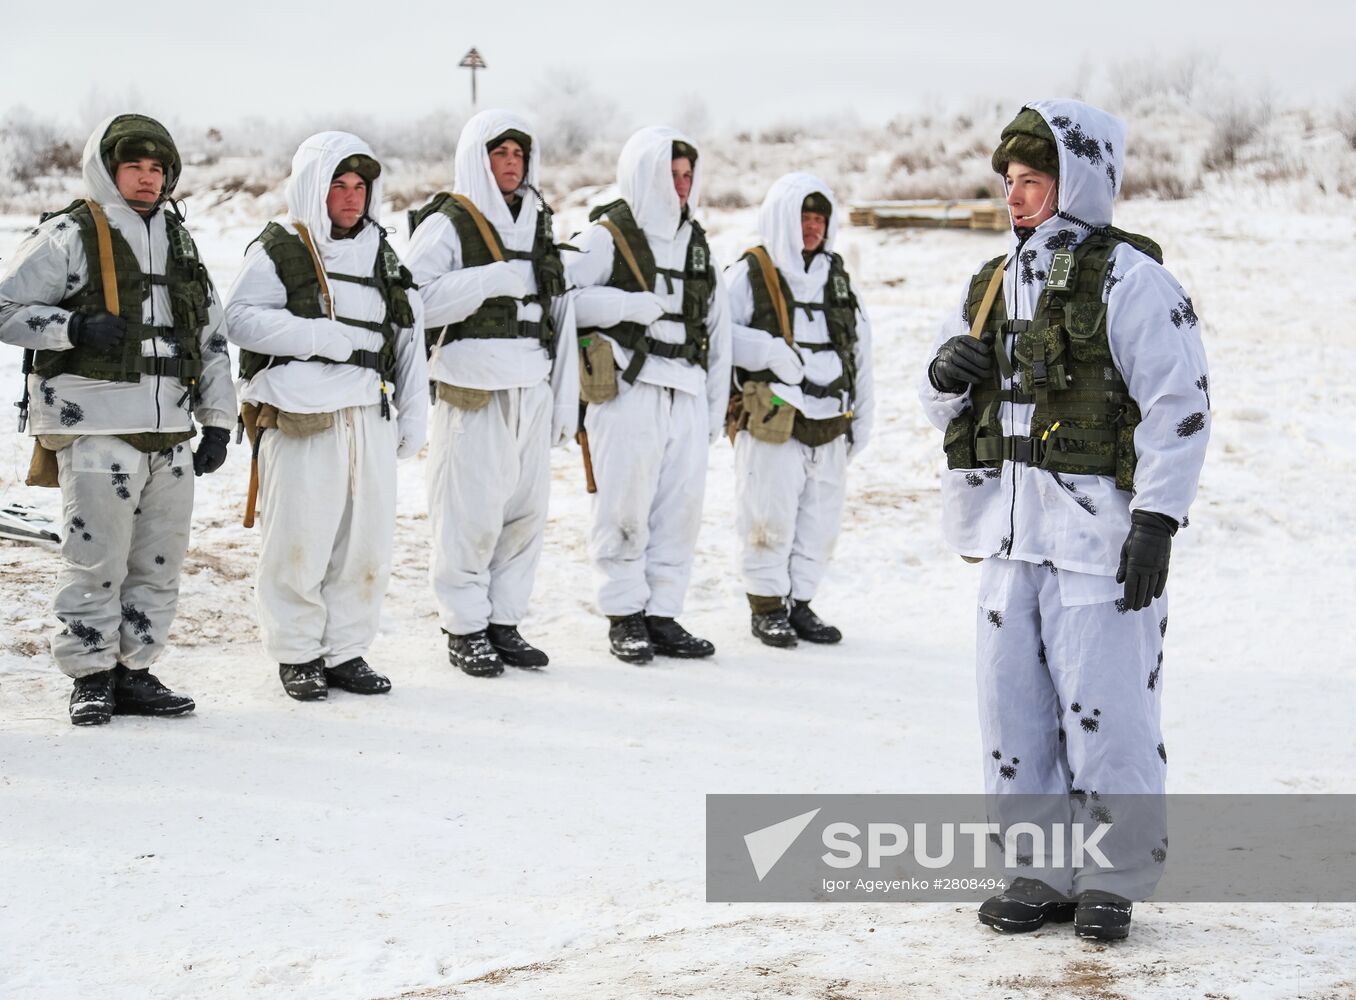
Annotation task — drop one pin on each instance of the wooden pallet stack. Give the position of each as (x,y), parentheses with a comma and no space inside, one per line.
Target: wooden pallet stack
(972,213)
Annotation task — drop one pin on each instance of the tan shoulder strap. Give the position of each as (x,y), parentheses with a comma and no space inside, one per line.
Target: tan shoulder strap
(107,272)
(986,304)
(306,240)
(624,249)
(774,289)
(487,232)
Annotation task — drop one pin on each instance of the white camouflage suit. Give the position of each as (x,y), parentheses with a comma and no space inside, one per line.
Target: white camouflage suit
(790,496)
(650,443)
(327,500)
(1069,681)
(489,470)
(125,513)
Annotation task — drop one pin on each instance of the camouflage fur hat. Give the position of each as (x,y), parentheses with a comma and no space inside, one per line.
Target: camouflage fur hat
(364,166)
(137,137)
(816,202)
(684,149)
(1028,140)
(521,138)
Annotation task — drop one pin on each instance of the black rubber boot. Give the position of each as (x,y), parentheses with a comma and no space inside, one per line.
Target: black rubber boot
(513,649)
(1027,905)
(773,628)
(139,692)
(305,681)
(356,677)
(92,699)
(629,638)
(810,627)
(1102,916)
(474,654)
(670,639)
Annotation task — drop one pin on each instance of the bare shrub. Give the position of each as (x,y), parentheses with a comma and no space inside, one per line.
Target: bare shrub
(1235,122)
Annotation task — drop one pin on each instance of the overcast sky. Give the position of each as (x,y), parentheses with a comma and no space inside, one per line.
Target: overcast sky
(748,62)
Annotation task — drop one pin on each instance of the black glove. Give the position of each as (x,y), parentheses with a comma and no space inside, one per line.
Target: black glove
(101,331)
(960,362)
(211,450)
(1144,558)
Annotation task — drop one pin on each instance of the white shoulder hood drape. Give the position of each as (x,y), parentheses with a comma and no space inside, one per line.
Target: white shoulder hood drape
(308,189)
(779,226)
(645,179)
(474,179)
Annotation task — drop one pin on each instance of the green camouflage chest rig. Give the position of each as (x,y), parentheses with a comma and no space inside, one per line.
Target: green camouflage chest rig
(497,318)
(185,279)
(297,271)
(698,277)
(839,306)
(1084,418)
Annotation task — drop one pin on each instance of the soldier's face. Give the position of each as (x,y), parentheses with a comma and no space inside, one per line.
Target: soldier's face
(347,200)
(140,183)
(1031,194)
(682,179)
(508,166)
(813,226)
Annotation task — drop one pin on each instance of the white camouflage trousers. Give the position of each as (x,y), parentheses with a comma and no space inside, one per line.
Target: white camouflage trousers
(1070,690)
(126,518)
(649,448)
(790,509)
(327,518)
(489,480)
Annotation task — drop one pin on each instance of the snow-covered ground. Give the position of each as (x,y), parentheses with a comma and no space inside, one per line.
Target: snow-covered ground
(543,834)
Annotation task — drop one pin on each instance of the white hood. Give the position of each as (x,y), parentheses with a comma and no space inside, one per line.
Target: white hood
(1091,146)
(779,226)
(308,188)
(474,179)
(645,179)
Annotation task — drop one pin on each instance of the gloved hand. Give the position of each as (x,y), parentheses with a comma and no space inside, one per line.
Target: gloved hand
(409,443)
(211,450)
(1144,558)
(786,363)
(961,362)
(332,340)
(501,279)
(643,308)
(101,331)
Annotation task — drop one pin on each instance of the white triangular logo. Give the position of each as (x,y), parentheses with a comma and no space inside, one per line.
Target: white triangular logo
(766,846)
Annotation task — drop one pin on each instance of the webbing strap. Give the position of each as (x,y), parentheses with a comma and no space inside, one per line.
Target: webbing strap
(990,293)
(624,249)
(108,271)
(362,324)
(180,368)
(774,290)
(305,235)
(355,279)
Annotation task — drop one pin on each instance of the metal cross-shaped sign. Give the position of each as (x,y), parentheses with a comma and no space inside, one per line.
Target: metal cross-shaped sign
(473,61)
